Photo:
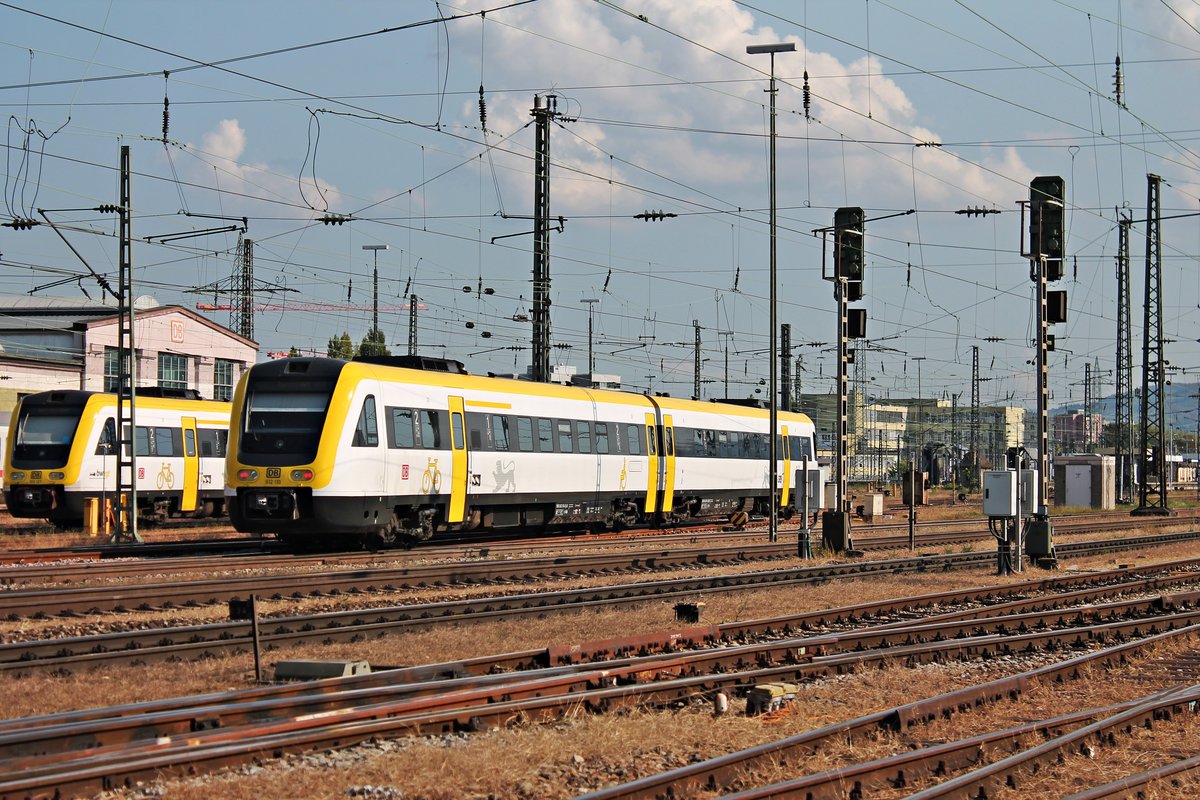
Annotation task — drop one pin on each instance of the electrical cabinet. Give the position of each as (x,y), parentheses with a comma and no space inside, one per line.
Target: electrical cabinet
(1029,492)
(1000,493)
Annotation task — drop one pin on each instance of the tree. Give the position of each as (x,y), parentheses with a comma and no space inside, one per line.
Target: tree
(374,344)
(340,347)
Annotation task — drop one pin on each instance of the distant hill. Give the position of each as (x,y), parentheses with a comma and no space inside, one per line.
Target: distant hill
(1179,405)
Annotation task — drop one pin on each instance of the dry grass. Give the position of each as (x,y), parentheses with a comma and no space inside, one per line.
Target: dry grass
(42,694)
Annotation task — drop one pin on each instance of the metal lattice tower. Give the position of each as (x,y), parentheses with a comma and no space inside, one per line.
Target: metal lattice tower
(696,360)
(1124,389)
(126,529)
(1089,400)
(412,324)
(974,416)
(785,367)
(541,236)
(241,318)
(1152,473)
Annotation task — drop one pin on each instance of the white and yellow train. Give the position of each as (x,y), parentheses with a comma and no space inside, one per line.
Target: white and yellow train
(321,447)
(61,451)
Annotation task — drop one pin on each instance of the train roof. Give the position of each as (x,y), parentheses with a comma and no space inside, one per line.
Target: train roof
(388,368)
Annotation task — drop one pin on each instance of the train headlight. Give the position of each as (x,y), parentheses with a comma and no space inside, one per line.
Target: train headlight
(17,476)
(57,476)
(302,474)
(247,474)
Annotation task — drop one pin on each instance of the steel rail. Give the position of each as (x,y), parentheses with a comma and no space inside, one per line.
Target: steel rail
(901,770)
(337,730)
(1131,785)
(195,641)
(799,658)
(1010,771)
(192,593)
(724,771)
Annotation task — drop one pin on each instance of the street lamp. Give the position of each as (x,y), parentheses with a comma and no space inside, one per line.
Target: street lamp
(591,303)
(375,295)
(773,396)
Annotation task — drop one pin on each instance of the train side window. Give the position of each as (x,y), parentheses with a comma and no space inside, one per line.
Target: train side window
(634,439)
(477,432)
(400,428)
(499,432)
(366,433)
(722,444)
(651,441)
(430,429)
(189,443)
(545,431)
(167,441)
(456,431)
(213,442)
(107,444)
(583,436)
(525,434)
(601,437)
(780,447)
(735,444)
(564,436)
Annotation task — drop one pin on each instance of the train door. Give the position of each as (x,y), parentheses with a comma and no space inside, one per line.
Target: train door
(784,490)
(667,453)
(652,476)
(191,466)
(458,462)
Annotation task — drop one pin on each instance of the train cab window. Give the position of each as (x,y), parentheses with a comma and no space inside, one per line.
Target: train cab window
(366,433)
(499,432)
(564,436)
(583,436)
(524,434)
(545,435)
(284,422)
(601,437)
(400,428)
(429,428)
(633,440)
(107,443)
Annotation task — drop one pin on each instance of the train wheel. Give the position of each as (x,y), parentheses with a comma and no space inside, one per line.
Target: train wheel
(382,537)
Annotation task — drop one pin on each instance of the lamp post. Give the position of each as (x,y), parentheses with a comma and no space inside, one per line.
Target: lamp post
(773,396)
(591,303)
(375,294)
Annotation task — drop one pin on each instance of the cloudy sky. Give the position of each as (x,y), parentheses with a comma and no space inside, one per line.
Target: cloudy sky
(286,112)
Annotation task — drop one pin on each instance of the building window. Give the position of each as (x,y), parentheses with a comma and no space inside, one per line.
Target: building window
(172,371)
(223,376)
(111,363)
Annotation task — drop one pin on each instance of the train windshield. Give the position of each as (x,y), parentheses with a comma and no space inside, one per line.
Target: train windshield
(284,423)
(43,437)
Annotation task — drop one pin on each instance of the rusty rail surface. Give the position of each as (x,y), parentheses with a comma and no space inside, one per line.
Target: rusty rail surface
(196,641)
(726,771)
(528,698)
(1132,785)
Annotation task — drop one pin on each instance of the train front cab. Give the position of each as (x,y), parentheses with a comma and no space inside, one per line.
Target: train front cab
(41,451)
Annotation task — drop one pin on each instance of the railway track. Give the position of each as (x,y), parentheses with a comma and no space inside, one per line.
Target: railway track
(199,641)
(295,582)
(86,751)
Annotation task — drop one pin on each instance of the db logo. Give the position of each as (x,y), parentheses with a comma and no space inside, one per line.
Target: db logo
(273,472)
(141,473)
(404,472)
(176,331)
